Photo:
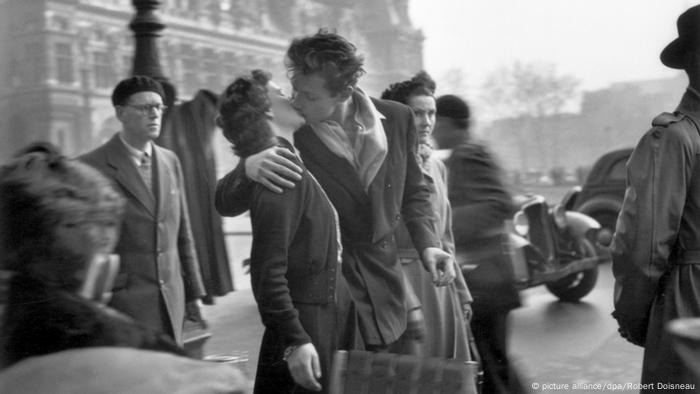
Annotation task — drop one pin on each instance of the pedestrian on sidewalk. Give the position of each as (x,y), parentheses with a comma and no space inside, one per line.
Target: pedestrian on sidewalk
(480,205)
(446,310)
(656,247)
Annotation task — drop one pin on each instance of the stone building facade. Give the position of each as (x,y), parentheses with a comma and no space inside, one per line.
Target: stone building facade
(59,59)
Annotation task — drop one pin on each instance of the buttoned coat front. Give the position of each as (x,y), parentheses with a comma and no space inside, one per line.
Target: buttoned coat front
(368,220)
(159,270)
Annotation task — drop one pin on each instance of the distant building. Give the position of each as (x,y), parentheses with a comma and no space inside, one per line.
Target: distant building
(59,59)
(610,118)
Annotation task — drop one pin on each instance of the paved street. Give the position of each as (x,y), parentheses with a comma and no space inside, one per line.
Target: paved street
(551,342)
(567,343)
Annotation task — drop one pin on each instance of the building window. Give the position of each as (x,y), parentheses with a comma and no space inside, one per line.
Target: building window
(210,70)
(32,70)
(190,77)
(64,63)
(103,71)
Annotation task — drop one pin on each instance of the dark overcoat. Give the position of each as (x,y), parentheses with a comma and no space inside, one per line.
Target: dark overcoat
(188,130)
(368,220)
(159,270)
(656,247)
(480,205)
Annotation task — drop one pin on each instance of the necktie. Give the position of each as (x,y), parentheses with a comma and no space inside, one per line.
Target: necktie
(145,171)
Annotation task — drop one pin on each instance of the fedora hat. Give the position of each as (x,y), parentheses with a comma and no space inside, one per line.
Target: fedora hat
(688,25)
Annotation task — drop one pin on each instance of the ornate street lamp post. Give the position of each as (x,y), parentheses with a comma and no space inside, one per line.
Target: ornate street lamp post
(147,26)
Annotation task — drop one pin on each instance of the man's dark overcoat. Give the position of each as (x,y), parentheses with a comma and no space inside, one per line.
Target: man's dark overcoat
(656,247)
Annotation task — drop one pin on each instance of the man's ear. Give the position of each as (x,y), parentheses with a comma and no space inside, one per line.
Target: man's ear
(119,112)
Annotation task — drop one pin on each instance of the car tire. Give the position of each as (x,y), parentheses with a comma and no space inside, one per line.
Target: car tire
(572,288)
(606,219)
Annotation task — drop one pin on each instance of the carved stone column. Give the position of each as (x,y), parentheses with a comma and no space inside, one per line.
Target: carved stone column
(147,27)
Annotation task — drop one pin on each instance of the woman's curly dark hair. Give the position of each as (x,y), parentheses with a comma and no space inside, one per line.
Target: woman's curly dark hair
(244,111)
(329,54)
(420,85)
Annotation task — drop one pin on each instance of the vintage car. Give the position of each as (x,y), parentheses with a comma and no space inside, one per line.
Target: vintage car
(602,193)
(553,246)
(548,245)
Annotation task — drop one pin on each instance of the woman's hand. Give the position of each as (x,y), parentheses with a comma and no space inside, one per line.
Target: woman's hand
(439,264)
(305,367)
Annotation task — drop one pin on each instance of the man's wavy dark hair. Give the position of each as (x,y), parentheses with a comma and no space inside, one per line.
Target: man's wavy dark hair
(244,111)
(420,85)
(329,54)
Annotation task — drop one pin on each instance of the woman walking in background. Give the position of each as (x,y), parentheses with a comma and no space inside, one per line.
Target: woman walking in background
(446,309)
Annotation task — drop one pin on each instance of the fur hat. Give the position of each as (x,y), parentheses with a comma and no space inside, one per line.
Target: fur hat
(133,85)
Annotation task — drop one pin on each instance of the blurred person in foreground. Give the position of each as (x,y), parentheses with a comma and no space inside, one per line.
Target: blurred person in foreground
(656,246)
(362,152)
(59,222)
(160,275)
(295,256)
(446,310)
(480,206)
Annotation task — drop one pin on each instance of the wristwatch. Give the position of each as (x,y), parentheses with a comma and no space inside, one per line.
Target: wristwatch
(288,352)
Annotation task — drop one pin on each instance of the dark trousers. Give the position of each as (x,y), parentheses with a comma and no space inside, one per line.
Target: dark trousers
(489,326)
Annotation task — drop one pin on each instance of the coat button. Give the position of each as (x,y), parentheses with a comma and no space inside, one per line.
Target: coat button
(388,185)
(398,217)
(162,282)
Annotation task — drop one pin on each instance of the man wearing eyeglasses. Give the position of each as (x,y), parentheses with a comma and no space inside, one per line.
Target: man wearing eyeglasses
(159,270)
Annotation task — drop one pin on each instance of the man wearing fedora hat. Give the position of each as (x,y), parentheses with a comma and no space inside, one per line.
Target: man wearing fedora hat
(656,247)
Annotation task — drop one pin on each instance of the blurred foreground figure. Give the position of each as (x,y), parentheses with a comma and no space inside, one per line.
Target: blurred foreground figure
(480,206)
(59,222)
(295,266)
(160,272)
(656,247)
(446,310)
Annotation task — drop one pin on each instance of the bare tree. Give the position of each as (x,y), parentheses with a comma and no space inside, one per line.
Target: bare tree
(530,91)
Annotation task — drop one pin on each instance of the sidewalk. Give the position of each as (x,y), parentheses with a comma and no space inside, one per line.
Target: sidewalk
(235,326)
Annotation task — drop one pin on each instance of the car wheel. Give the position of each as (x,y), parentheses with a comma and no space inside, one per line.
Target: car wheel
(607,221)
(572,288)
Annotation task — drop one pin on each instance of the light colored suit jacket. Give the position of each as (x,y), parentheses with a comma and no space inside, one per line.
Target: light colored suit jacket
(159,269)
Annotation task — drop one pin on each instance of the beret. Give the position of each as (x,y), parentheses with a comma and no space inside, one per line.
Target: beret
(133,85)
(452,106)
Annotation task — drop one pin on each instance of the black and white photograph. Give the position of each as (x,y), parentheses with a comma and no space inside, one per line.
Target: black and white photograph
(349,197)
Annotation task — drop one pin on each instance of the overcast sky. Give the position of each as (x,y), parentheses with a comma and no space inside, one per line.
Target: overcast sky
(597,41)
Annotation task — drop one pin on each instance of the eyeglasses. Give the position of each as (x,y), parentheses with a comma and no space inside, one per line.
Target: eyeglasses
(147,108)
